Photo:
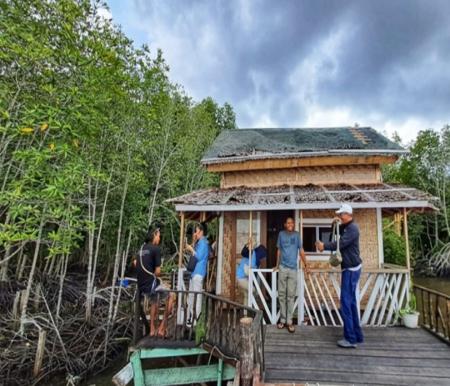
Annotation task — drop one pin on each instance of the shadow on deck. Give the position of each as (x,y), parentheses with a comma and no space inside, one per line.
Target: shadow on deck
(389,356)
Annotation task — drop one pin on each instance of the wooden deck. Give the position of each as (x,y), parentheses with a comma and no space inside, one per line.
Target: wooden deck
(389,356)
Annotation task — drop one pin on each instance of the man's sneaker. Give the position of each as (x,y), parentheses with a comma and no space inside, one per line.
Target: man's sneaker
(344,343)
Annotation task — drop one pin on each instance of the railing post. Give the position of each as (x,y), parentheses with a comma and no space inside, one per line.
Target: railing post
(301,297)
(274,297)
(250,288)
(246,351)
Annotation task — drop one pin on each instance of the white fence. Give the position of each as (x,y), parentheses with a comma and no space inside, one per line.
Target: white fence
(381,294)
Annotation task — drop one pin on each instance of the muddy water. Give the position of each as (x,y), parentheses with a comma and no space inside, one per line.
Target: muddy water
(438,284)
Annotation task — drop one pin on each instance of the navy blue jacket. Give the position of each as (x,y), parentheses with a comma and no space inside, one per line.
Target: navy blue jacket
(348,245)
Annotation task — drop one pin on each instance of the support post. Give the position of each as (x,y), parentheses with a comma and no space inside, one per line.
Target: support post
(300,275)
(219,256)
(405,230)
(180,256)
(380,238)
(180,282)
(39,353)
(246,349)
(408,257)
(250,252)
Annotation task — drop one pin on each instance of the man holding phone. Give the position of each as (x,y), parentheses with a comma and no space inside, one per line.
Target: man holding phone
(201,252)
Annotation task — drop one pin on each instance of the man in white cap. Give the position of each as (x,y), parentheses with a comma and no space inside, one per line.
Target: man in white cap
(351,272)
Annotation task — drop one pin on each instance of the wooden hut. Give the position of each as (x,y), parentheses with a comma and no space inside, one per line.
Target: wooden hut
(269,174)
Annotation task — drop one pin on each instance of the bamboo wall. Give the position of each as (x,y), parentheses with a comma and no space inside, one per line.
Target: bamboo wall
(353,174)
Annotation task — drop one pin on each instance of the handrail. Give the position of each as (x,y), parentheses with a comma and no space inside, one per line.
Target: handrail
(434,309)
(338,270)
(433,291)
(217,326)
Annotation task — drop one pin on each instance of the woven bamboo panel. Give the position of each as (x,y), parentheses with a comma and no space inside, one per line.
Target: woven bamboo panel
(355,174)
(228,255)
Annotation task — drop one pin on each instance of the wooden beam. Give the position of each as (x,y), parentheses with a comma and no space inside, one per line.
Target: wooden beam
(380,238)
(219,256)
(180,256)
(332,160)
(250,238)
(405,229)
(233,256)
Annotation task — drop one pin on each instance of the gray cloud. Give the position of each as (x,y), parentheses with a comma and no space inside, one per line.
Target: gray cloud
(297,63)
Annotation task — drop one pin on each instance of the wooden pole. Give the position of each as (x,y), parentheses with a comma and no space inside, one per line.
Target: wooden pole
(39,353)
(250,238)
(250,252)
(246,349)
(405,229)
(397,223)
(301,280)
(180,257)
(301,224)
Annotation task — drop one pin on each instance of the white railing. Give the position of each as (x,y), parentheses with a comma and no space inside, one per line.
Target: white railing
(381,294)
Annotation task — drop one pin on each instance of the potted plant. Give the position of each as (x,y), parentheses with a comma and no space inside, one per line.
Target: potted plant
(409,314)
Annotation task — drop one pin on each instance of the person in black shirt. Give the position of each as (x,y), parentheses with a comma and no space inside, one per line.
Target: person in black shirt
(152,289)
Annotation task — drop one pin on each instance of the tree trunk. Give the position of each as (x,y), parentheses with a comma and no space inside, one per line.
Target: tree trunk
(31,276)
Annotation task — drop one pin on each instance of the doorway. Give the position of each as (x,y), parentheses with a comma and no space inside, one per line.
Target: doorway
(275,224)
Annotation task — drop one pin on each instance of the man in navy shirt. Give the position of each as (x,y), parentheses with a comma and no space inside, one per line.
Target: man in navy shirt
(289,252)
(351,272)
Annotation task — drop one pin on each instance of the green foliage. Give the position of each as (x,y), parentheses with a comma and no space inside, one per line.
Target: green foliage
(88,121)
(394,246)
(411,307)
(427,167)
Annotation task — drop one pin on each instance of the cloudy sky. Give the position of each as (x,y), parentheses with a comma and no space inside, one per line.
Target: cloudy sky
(305,63)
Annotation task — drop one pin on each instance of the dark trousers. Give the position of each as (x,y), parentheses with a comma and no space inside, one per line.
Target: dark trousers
(349,306)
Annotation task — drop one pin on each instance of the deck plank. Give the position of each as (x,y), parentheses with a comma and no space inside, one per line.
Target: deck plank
(389,356)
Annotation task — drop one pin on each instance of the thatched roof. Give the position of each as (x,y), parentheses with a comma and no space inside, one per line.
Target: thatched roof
(244,144)
(305,197)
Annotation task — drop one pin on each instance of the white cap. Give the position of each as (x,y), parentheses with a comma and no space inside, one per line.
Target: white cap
(345,208)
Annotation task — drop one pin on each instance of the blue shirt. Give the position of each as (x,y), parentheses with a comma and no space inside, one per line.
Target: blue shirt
(202,255)
(240,272)
(289,244)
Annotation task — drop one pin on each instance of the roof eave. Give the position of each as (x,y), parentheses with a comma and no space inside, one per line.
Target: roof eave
(265,156)
(414,204)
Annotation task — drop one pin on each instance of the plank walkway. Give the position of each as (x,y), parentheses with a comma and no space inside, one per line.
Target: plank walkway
(389,356)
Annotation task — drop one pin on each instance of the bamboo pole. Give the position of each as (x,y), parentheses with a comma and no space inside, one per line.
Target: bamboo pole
(301,224)
(180,257)
(250,253)
(405,229)
(246,349)
(250,238)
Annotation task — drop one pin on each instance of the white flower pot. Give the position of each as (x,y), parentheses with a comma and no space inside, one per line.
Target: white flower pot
(411,320)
